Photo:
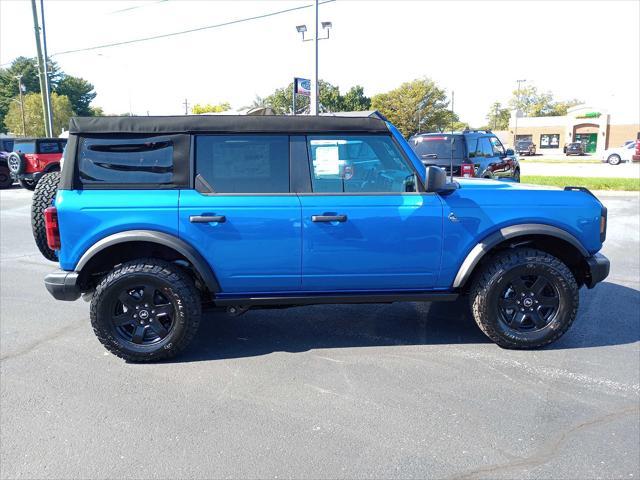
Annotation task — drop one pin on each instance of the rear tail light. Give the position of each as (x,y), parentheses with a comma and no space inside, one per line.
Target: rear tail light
(466,170)
(637,147)
(51,228)
(603,224)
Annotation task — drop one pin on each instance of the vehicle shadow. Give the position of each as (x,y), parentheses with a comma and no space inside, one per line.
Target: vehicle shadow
(608,316)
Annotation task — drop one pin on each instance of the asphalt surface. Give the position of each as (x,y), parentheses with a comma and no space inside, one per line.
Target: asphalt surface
(380,391)
(556,169)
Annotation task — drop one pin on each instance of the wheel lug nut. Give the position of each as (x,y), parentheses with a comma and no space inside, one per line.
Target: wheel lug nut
(153,311)
(146,305)
(135,316)
(137,307)
(518,302)
(141,322)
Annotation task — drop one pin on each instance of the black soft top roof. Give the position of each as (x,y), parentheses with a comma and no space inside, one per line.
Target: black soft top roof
(227,124)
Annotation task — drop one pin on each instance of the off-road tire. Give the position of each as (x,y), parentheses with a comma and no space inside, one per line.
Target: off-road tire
(27,184)
(516,175)
(486,290)
(5,177)
(43,197)
(176,286)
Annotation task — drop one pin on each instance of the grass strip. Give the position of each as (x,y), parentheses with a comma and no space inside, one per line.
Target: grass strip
(592,183)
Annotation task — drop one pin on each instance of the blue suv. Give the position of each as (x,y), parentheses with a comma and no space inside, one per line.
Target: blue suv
(157,217)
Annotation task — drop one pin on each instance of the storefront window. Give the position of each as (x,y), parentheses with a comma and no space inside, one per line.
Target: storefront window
(550,140)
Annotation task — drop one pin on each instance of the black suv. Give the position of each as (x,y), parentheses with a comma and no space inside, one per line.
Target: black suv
(6,147)
(473,153)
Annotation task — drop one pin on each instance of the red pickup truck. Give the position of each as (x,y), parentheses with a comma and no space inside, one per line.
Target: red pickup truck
(33,157)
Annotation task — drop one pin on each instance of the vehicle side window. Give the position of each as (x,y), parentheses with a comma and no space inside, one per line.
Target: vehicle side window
(472,147)
(358,164)
(49,147)
(24,147)
(485,149)
(244,163)
(496,146)
(126,161)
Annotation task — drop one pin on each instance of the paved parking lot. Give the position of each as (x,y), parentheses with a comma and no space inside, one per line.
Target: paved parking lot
(404,390)
(557,169)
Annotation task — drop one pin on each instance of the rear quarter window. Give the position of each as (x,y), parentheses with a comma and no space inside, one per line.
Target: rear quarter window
(24,147)
(49,147)
(131,161)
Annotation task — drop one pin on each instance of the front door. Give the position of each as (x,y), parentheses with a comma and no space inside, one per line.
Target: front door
(365,226)
(244,221)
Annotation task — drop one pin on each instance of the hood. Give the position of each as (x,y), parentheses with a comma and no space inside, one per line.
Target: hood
(487,184)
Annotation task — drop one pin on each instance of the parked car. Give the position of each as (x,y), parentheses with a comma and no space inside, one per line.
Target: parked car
(474,153)
(33,157)
(6,146)
(157,216)
(615,156)
(574,148)
(525,147)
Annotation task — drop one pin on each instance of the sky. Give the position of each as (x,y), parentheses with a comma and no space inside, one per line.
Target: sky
(577,49)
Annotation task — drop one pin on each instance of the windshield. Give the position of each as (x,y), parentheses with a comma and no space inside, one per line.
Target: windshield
(437,149)
(24,147)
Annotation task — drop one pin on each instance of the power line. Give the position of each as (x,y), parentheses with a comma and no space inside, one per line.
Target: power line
(139,6)
(173,34)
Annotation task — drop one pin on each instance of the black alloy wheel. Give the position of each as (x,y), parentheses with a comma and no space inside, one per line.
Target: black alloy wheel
(528,302)
(142,315)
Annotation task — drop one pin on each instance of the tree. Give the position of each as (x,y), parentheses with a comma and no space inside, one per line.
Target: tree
(79,92)
(539,104)
(208,108)
(61,109)
(498,117)
(419,105)
(281,101)
(355,100)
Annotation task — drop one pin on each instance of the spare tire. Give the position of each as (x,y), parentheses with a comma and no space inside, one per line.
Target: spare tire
(43,197)
(16,163)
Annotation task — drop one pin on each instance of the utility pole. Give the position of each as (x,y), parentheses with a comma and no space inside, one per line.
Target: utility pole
(46,70)
(186,107)
(315,91)
(495,118)
(42,71)
(515,130)
(24,125)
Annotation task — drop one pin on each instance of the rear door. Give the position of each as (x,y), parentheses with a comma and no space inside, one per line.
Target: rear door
(242,216)
(365,225)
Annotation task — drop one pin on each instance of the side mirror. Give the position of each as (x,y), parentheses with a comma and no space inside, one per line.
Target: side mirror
(510,152)
(435,179)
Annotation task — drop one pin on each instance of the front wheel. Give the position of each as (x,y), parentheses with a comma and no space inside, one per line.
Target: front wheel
(146,310)
(516,176)
(524,298)
(614,160)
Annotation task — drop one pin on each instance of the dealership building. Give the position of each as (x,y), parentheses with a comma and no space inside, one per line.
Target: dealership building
(596,128)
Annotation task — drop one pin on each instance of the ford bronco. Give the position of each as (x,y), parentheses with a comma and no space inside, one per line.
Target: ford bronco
(33,157)
(156,217)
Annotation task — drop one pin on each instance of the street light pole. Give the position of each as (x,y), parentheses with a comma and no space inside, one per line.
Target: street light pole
(24,125)
(515,130)
(315,90)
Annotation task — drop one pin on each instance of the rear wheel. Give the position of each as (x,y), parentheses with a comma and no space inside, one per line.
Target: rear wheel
(614,159)
(5,177)
(524,298)
(146,310)
(516,175)
(43,197)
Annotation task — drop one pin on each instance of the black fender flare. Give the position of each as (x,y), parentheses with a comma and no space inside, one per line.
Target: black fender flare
(190,253)
(482,248)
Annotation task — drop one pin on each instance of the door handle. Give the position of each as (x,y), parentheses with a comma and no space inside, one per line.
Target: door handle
(328,218)
(207,219)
